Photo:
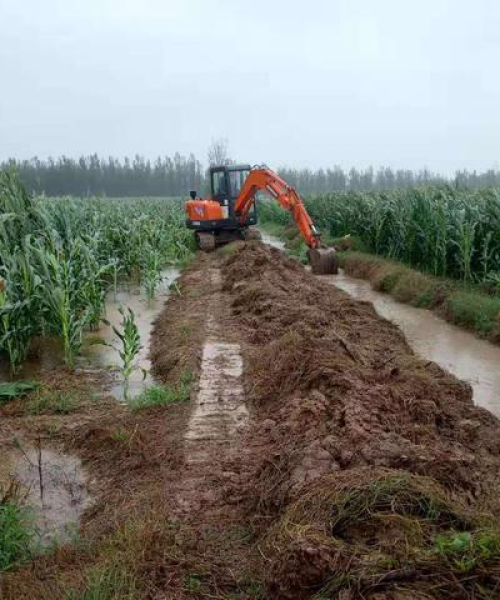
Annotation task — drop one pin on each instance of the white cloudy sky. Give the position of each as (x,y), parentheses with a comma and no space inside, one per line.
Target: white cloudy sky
(405,83)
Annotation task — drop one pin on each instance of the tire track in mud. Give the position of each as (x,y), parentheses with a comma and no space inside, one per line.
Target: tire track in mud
(219,413)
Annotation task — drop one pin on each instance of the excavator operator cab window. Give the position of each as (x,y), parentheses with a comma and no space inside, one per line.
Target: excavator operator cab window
(219,189)
(236,181)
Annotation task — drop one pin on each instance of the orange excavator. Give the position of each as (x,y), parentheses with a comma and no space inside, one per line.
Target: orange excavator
(231,209)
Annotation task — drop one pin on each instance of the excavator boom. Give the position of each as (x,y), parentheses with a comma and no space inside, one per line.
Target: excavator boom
(265,180)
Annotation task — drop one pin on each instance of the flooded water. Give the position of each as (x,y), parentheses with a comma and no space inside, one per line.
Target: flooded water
(96,357)
(459,352)
(52,485)
(47,355)
(271,240)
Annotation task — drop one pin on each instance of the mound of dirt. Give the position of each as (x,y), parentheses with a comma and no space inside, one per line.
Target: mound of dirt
(337,391)
(370,531)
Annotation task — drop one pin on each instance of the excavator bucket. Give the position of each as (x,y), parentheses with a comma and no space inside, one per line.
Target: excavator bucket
(323,261)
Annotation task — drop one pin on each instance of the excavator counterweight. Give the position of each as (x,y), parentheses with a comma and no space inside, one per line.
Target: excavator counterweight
(229,212)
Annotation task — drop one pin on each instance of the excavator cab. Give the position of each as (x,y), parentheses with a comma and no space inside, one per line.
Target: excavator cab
(226,183)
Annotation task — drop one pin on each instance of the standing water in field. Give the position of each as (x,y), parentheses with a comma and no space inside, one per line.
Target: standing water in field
(53,487)
(459,352)
(99,356)
(100,348)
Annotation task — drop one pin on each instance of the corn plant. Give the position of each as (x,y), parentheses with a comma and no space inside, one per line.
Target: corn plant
(63,316)
(130,346)
(441,230)
(60,256)
(151,271)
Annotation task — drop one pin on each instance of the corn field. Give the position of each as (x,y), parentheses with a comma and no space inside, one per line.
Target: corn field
(59,257)
(439,230)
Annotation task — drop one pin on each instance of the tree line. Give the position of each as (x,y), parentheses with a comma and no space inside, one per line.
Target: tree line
(175,176)
(94,176)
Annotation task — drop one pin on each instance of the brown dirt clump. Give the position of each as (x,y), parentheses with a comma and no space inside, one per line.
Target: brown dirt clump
(178,332)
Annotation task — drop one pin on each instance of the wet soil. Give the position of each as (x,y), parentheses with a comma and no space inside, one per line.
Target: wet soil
(318,452)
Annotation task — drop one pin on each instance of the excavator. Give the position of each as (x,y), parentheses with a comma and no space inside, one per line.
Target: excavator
(231,209)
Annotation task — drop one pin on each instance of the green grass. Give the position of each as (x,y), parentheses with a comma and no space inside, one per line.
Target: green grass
(474,311)
(53,402)
(465,550)
(16,389)
(120,435)
(16,534)
(106,583)
(163,395)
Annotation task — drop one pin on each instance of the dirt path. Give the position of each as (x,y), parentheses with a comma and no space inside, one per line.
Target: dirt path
(219,414)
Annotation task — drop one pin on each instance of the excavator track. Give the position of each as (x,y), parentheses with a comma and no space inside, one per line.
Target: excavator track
(205,241)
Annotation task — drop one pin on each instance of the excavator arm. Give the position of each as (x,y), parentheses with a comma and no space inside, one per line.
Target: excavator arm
(265,180)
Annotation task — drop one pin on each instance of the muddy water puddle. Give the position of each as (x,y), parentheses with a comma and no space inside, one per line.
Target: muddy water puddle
(459,352)
(51,485)
(99,356)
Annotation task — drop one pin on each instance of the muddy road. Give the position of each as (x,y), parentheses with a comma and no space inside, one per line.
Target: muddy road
(318,457)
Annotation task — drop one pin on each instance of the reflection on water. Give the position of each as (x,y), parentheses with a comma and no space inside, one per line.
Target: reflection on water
(459,352)
(95,357)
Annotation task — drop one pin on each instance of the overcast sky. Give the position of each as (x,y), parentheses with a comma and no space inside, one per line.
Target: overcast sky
(404,83)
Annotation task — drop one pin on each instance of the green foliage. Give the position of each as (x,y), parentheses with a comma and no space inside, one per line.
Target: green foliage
(163,395)
(474,311)
(59,403)
(130,345)
(15,534)
(120,435)
(465,550)
(444,231)
(59,257)
(16,389)
(111,582)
